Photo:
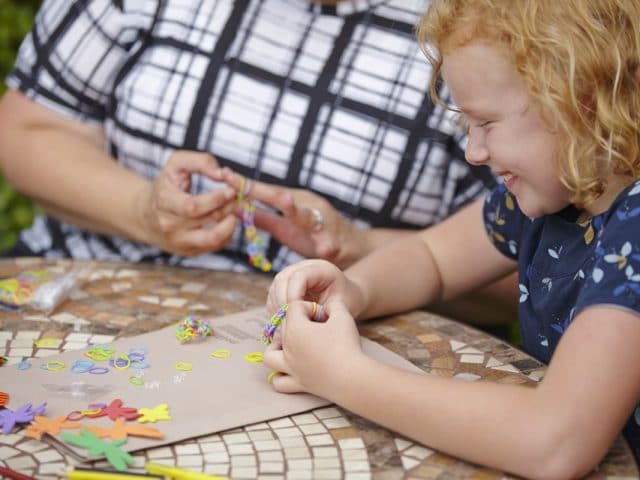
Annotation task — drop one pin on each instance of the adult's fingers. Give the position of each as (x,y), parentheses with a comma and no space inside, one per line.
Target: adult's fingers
(204,239)
(185,205)
(273,195)
(193,162)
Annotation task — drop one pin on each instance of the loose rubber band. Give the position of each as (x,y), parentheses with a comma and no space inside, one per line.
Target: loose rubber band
(317,314)
(75,416)
(221,353)
(136,380)
(24,365)
(125,366)
(272,375)
(99,370)
(253,357)
(89,412)
(98,355)
(53,365)
(139,365)
(140,349)
(82,366)
(184,366)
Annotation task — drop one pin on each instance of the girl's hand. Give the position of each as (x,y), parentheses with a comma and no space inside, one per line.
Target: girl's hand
(314,280)
(308,224)
(315,357)
(186,224)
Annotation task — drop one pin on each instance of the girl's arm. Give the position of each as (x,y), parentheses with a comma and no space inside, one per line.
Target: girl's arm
(561,429)
(440,263)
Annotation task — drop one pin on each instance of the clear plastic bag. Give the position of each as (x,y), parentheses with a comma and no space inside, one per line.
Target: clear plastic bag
(42,289)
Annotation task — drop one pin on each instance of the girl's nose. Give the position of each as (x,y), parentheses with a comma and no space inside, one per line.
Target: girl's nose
(477,152)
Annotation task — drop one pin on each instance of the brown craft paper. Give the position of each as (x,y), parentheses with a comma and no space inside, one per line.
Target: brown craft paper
(216,395)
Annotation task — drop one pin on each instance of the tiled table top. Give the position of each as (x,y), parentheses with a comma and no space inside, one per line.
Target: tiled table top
(329,443)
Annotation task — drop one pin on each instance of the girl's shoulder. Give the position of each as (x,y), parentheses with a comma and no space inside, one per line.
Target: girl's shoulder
(622,219)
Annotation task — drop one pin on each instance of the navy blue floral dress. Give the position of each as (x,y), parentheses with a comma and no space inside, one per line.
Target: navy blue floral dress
(566,265)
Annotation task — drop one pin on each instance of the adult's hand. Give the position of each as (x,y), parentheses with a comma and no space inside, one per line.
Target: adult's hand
(186,224)
(306,223)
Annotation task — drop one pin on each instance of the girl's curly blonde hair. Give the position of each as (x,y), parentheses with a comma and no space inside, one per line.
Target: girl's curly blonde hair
(581,63)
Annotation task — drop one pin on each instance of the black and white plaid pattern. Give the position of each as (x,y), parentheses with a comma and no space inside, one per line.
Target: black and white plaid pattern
(329,98)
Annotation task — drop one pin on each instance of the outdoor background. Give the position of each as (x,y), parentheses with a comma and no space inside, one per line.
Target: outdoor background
(16,17)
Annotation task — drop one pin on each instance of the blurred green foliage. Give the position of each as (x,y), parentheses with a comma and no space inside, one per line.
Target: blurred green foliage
(16,17)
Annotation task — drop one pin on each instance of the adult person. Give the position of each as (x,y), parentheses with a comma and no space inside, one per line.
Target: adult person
(121,112)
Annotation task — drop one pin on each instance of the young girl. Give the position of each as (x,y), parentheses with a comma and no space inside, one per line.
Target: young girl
(549,94)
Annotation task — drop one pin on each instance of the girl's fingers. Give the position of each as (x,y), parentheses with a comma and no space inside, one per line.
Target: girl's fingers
(273,358)
(286,384)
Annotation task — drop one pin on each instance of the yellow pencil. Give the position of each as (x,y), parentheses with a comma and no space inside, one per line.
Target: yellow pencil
(179,473)
(103,475)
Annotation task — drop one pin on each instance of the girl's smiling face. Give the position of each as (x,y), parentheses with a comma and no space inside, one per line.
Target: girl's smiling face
(506,132)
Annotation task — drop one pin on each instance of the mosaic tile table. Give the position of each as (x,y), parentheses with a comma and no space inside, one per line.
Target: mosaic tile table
(327,443)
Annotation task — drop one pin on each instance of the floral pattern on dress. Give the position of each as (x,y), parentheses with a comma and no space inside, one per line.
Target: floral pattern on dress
(566,263)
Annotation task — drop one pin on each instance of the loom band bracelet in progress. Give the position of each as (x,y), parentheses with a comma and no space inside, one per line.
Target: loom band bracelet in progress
(245,187)
(222,353)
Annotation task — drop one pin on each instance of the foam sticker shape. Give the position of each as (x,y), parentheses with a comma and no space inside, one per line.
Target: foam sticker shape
(160,412)
(4,399)
(117,457)
(115,410)
(24,414)
(123,430)
(52,426)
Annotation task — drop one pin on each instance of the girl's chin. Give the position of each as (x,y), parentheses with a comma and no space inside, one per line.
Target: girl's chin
(536,209)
